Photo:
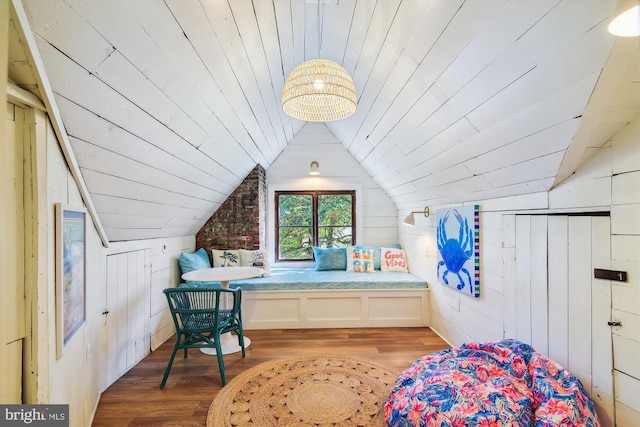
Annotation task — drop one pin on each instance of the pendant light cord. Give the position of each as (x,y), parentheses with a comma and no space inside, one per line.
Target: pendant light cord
(318,24)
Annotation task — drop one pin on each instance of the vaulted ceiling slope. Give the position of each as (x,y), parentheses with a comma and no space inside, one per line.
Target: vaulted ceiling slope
(169,104)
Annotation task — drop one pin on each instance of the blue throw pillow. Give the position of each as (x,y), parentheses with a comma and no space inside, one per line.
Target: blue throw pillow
(376,252)
(194,261)
(330,258)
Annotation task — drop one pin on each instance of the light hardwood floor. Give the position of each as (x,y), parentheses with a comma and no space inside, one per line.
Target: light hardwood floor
(136,399)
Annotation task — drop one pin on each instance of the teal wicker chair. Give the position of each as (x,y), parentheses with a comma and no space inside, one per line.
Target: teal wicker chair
(200,321)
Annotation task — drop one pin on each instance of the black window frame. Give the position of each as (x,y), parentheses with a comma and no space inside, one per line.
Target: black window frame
(314,226)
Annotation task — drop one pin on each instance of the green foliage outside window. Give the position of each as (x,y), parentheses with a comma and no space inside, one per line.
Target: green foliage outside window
(334,221)
(295,213)
(297,230)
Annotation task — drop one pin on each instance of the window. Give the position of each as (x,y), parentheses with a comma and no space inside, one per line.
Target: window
(313,218)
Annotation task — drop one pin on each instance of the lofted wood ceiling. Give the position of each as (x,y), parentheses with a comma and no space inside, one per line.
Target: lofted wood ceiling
(169,104)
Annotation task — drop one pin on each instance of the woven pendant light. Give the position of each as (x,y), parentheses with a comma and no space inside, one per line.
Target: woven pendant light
(319,90)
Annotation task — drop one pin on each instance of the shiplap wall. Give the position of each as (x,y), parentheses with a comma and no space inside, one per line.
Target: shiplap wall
(562,310)
(625,256)
(171,103)
(164,273)
(377,214)
(84,354)
(12,304)
(609,180)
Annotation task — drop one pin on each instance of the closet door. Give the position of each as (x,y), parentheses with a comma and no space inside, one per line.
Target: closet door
(128,335)
(561,309)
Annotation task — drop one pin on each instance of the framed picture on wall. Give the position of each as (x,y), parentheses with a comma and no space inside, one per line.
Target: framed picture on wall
(458,239)
(71,232)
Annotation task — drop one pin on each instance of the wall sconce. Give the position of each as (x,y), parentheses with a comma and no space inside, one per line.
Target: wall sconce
(626,21)
(410,220)
(314,169)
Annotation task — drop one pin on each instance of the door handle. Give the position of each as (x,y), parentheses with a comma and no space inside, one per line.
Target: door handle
(614,323)
(600,273)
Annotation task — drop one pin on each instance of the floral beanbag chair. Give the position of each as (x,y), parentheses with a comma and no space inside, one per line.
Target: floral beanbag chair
(493,384)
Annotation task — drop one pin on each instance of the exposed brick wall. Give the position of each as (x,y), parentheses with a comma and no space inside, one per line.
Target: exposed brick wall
(240,222)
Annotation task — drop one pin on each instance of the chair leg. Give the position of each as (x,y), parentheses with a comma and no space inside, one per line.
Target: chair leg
(220,361)
(241,340)
(166,372)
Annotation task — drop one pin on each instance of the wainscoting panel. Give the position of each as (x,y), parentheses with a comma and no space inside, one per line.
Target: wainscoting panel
(335,308)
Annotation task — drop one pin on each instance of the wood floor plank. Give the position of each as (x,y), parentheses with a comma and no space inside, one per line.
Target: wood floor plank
(136,400)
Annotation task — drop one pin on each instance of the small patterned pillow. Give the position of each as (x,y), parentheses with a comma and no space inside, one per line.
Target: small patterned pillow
(360,260)
(256,258)
(376,252)
(225,258)
(392,259)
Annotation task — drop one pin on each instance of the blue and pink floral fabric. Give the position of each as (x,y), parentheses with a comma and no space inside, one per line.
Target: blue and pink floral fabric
(489,384)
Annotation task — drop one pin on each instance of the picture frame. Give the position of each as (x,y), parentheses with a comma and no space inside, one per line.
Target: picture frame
(70,253)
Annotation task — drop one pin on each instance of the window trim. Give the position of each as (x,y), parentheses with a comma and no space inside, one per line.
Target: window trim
(314,226)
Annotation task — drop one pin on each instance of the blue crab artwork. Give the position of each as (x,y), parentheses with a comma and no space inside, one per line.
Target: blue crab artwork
(457,256)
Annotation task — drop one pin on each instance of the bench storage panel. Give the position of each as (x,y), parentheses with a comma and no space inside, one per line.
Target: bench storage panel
(335,308)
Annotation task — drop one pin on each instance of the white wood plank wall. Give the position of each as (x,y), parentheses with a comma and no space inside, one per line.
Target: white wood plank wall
(457,99)
(12,304)
(165,273)
(563,311)
(625,256)
(162,271)
(377,213)
(607,181)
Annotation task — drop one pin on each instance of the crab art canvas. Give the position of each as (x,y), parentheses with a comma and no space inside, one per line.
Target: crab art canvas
(458,239)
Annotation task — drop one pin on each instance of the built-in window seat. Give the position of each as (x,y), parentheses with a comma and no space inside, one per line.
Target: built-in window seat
(384,294)
(307,298)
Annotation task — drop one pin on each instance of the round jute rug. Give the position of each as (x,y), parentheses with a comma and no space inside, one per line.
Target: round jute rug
(306,390)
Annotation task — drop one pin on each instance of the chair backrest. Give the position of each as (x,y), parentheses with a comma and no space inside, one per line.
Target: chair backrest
(203,309)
